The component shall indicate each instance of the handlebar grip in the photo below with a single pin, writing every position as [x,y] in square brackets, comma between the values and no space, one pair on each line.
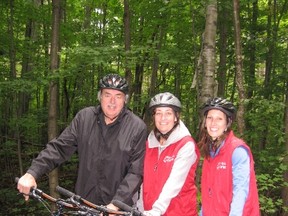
[34,192]
[64,191]
[126,207]
[121,205]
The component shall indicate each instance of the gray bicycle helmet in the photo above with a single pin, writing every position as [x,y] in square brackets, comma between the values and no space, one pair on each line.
[165,99]
[114,81]
[220,104]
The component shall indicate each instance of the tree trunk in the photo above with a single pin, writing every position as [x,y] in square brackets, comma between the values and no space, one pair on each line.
[222,70]
[12,50]
[208,89]
[157,36]
[27,66]
[127,43]
[10,105]
[53,88]
[251,79]
[138,108]
[269,54]
[239,73]
[285,161]
[138,81]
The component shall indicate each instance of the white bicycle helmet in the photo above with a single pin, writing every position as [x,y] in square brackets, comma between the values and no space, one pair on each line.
[165,99]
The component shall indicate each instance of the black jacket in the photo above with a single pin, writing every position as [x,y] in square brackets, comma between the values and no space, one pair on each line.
[110,156]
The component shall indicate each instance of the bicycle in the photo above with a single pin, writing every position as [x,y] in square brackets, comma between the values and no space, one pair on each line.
[76,205]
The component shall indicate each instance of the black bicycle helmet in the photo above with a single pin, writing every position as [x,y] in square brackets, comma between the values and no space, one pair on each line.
[114,81]
[165,99]
[220,104]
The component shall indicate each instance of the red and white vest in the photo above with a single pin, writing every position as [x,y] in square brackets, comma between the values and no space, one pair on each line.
[157,171]
[217,185]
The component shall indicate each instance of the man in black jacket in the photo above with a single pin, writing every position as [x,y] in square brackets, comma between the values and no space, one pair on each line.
[110,141]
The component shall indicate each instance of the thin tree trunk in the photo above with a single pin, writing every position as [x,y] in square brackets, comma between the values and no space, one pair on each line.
[24,98]
[239,73]
[87,18]
[285,161]
[127,42]
[208,89]
[27,64]
[155,63]
[53,88]
[155,67]
[138,81]
[12,50]
[102,38]
[221,74]
[45,90]
[251,79]
[10,107]
[269,54]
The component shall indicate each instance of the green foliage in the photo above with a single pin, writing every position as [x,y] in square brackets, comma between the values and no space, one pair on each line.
[263,117]
[270,182]
[19,85]
[165,36]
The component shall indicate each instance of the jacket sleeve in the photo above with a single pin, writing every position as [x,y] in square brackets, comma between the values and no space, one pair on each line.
[241,179]
[56,151]
[133,179]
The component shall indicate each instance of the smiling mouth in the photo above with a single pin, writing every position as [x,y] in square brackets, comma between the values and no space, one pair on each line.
[213,129]
[111,106]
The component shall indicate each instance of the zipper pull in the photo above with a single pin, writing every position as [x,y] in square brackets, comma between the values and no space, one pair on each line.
[155,167]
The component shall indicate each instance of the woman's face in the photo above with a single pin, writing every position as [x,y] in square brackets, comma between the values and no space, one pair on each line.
[165,119]
[216,123]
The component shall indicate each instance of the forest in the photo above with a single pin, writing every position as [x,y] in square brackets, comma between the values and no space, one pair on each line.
[53,53]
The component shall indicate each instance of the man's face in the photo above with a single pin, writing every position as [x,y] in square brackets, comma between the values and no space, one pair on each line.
[112,101]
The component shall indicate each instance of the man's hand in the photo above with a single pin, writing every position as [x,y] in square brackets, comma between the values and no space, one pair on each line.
[25,183]
[113,207]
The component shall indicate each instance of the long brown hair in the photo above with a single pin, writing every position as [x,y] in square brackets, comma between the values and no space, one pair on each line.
[205,140]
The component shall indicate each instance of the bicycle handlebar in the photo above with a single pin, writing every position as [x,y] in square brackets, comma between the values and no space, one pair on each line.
[68,193]
[76,201]
[64,191]
[126,207]
[35,192]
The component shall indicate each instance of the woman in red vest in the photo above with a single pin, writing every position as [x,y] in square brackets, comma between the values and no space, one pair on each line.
[228,183]
[170,162]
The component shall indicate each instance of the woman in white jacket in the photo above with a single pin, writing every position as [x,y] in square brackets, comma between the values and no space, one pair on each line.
[170,162]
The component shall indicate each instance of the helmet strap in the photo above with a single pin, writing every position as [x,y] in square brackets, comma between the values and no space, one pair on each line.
[165,136]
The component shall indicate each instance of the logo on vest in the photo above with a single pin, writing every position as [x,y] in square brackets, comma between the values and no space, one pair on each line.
[168,159]
[221,165]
